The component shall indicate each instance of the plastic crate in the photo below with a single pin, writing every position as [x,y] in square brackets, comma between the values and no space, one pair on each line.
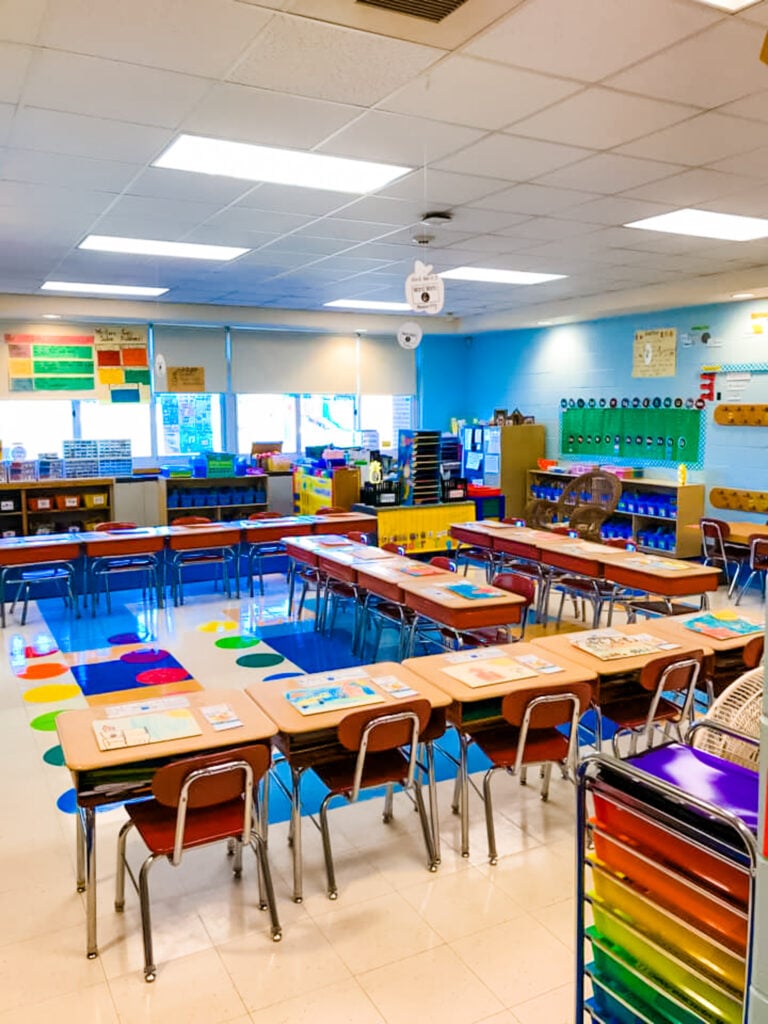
[67,501]
[115,467]
[96,500]
[114,449]
[22,471]
[219,464]
[79,469]
[50,469]
[81,449]
[42,504]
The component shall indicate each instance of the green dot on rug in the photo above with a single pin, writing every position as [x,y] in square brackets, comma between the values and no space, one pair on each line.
[260,660]
[46,722]
[230,643]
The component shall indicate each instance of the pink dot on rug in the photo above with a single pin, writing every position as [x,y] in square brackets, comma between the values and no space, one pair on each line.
[145,657]
[45,670]
[154,676]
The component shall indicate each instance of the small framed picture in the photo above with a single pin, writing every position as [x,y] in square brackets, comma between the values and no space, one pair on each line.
[499,417]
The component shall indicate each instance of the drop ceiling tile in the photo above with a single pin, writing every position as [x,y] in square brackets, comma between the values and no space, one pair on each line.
[589,39]
[717,66]
[614,210]
[165,183]
[53,203]
[754,107]
[602,118]
[398,138]
[438,239]
[215,234]
[21,20]
[609,172]
[239,217]
[309,247]
[751,203]
[335,227]
[306,202]
[103,88]
[61,169]
[480,244]
[243,113]
[55,132]
[753,164]
[392,251]
[535,199]
[691,187]
[701,140]
[550,229]
[6,121]
[311,58]
[511,158]
[145,217]
[14,62]
[176,35]
[381,210]
[442,188]
[496,97]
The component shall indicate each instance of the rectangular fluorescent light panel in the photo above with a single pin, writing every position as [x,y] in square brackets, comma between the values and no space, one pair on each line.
[279,166]
[80,288]
[387,307]
[153,247]
[705,224]
[493,276]
[732,6]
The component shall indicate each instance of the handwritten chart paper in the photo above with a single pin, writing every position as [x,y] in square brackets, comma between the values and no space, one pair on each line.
[655,353]
[122,364]
[49,363]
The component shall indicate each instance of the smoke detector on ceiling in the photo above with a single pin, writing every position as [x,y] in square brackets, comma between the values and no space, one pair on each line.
[437,217]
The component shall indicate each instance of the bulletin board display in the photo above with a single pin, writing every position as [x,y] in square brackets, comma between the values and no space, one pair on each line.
[122,364]
[654,353]
[659,437]
[50,363]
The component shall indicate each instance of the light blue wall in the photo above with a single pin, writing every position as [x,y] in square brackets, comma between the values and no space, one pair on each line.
[444,363]
[533,369]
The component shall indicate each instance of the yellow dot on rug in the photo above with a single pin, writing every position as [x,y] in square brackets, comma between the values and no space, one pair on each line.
[217,626]
[52,692]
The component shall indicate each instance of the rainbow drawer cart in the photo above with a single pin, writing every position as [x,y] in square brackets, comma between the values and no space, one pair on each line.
[665,884]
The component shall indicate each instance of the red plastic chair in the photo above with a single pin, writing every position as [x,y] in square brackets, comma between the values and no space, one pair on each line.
[530,735]
[441,562]
[758,563]
[512,583]
[717,551]
[375,740]
[198,801]
[752,655]
[225,555]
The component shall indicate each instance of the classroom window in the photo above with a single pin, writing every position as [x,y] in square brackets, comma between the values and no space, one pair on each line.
[387,415]
[107,421]
[38,426]
[187,424]
[327,420]
[266,418]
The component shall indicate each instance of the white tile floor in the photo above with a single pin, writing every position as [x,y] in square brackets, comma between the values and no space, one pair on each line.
[470,944]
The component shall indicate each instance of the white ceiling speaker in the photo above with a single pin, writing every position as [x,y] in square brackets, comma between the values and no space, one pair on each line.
[409,335]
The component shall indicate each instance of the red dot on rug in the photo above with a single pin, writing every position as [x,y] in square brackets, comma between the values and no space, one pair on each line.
[162,675]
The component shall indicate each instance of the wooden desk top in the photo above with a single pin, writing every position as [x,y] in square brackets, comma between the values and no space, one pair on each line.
[270,696]
[432,668]
[433,599]
[81,752]
[43,547]
[343,521]
[262,531]
[674,627]
[739,530]
[563,645]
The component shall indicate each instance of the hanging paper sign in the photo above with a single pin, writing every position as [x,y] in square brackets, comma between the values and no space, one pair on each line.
[186,379]
[654,353]
[424,291]
[122,367]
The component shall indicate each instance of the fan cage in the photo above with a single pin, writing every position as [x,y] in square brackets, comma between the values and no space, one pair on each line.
[739,707]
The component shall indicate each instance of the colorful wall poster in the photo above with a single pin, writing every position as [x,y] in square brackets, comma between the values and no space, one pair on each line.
[655,353]
[50,363]
[122,364]
[186,379]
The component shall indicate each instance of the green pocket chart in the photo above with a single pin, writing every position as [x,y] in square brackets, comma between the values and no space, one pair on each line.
[664,437]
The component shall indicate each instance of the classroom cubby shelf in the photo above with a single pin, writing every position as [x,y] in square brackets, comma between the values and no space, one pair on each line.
[649,508]
[37,505]
[219,498]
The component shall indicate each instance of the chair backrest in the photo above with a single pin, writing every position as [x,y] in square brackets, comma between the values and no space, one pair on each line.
[441,562]
[358,536]
[556,710]
[396,549]
[209,780]
[190,521]
[672,673]
[265,515]
[714,533]
[100,527]
[330,510]
[758,553]
[515,583]
[374,730]
[752,655]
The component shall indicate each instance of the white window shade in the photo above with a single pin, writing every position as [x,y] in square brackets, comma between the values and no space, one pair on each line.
[274,362]
[385,368]
[195,346]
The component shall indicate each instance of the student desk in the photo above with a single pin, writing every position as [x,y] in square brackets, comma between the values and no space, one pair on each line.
[20,553]
[270,531]
[473,706]
[344,563]
[618,671]
[657,574]
[309,739]
[727,651]
[432,599]
[130,770]
[740,532]
[385,578]
[121,543]
[343,522]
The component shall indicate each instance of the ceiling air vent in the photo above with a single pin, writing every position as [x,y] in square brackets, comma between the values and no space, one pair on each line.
[430,10]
